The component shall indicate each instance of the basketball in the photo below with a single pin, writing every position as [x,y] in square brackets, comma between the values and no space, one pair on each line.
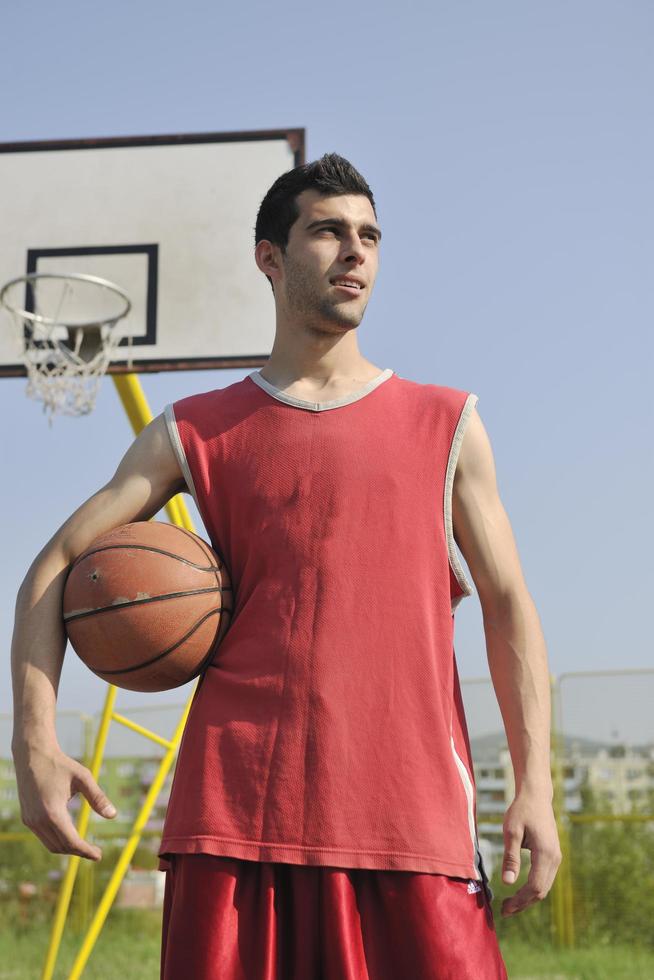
[146,605]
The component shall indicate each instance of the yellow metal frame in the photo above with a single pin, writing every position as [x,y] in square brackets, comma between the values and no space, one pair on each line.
[139,414]
[563,897]
[563,932]
[562,893]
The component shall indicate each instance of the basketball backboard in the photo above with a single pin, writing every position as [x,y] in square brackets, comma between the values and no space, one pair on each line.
[170,219]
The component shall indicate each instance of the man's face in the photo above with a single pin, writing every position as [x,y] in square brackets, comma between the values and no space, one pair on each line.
[334,238]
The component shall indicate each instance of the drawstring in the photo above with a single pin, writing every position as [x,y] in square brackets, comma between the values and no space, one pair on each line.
[484,877]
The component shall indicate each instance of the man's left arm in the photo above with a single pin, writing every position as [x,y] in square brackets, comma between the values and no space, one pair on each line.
[517,658]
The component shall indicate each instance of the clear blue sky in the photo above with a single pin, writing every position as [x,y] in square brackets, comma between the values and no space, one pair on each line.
[510,148]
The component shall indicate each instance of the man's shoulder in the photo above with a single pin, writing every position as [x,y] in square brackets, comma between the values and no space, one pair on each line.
[207,401]
[430,391]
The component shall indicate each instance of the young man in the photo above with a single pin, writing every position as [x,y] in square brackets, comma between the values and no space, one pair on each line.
[321,819]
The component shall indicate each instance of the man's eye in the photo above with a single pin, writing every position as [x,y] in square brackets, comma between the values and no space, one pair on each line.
[332,228]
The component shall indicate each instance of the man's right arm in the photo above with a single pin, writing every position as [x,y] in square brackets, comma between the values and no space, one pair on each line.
[146,478]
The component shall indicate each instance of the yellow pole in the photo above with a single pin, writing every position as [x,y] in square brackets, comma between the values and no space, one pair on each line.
[66,890]
[88,866]
[557,891]
[562,903]
[138,412]
[134,401]
[566,848]
[128,852]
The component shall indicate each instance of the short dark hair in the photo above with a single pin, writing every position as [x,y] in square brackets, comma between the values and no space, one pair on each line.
[330,175]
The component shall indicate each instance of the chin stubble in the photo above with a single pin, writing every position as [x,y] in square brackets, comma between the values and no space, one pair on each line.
[304,300]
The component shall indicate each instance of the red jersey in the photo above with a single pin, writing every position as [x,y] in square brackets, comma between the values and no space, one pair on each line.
[329,728]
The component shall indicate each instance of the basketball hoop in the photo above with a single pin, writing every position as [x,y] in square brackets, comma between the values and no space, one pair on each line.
[67,350]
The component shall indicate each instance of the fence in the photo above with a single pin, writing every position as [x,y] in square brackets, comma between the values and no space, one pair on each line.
[603,768]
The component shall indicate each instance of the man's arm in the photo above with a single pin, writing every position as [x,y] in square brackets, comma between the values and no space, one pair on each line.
[146,478]
[517,659]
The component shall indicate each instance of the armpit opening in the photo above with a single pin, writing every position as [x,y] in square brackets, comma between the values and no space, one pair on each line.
[457,439]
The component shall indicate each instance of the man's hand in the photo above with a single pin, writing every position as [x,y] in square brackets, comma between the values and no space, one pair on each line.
[47,779]
[529,822]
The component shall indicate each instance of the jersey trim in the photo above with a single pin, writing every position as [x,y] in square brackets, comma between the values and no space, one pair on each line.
[282,396]
[467,786]
[457,439]
[176,442]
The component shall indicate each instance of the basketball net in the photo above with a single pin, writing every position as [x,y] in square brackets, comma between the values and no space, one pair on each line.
[65,353]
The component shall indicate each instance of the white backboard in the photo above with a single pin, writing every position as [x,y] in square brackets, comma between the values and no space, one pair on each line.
[170,219]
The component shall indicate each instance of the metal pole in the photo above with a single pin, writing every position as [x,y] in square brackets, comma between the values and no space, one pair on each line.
[138,412]
[562,903]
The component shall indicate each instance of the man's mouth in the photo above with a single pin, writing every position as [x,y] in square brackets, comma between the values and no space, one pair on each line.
[351,285]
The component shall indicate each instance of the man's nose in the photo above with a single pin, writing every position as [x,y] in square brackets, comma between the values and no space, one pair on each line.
[353,248]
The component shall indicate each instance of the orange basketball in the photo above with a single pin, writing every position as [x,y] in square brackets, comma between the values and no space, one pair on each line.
[146,605]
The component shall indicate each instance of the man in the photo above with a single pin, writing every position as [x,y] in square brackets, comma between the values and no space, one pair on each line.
[321,819]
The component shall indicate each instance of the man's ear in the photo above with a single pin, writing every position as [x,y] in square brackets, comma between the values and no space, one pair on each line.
[268,258]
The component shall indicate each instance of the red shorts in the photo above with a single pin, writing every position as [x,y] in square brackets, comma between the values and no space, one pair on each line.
[231,919]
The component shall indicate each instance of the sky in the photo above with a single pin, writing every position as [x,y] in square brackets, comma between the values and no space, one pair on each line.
[510,149]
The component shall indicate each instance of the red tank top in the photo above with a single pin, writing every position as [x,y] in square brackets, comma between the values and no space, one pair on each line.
[329,728]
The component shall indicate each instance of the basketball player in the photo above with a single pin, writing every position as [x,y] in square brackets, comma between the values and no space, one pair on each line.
[321,821]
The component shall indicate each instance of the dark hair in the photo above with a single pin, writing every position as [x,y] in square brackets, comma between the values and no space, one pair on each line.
[330,175]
